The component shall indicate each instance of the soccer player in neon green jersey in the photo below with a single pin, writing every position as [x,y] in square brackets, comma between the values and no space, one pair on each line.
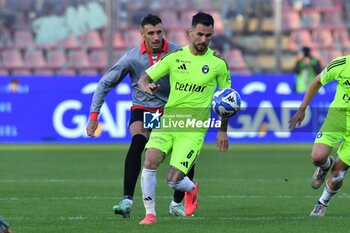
[195,72]
[335,130]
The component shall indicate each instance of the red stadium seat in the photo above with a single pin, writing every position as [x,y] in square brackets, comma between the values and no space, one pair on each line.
[311,18]
[44,71]
[341,38]
[65,71]
[35,59]
[300,38]
[56,58]
[71,42]
[235,60]
[4,72]
[291,20]
[12,59]
[23,39]
[6,39]
[21,72]
[99,58]
[169,19]
[132,38]
[78,59]
[178,36]
[88,71]
[92,40]
[322,38]
[334,19]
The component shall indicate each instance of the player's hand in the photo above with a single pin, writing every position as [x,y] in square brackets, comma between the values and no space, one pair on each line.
[297,118]
[222,141]
[91,128]
[149,88]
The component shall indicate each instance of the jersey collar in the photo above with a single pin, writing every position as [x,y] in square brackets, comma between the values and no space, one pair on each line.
[165,47]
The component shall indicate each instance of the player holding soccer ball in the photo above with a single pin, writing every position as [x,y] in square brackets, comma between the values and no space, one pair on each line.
[195,72]
[335,131]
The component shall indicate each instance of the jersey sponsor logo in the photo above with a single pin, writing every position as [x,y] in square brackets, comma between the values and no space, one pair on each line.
[151,120]
[185,164]
[190,87]
[182,61]
[346,83]
[205,69]
[346,98]
[182,67]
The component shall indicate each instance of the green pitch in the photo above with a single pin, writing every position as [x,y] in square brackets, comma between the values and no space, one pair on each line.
[252,188]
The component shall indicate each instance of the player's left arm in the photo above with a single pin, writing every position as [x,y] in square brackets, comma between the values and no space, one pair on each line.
[222,138]
[224,81]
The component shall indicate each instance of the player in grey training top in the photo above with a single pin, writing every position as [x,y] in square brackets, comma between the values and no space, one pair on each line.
[134,63]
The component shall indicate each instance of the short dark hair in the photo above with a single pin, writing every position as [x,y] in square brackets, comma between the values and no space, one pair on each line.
[202,18]
[306,51]
[150,19]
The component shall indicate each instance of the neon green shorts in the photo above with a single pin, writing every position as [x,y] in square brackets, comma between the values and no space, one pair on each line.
[335,130]
[185,147]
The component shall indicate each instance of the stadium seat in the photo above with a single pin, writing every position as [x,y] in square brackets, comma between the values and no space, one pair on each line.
[6,39]
[268,25]
[71,42]
[169,19]
[322,37]
[65,71]
[99,58]
[4,72]
[334,19]
[91,40]
[56,58]
[12,59]
[78,59]
[88,71]
[34,58]
[132,38]
[235,60]
[300,38]
[44,71]
[21,72]
[118,53]
[288,62]
[118,41]
[177,36]
[332,54]
[23,39]
[341,38]
[310,18]
[267,63]
[290,20]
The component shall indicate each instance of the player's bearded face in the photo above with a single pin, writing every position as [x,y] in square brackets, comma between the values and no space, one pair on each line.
[201,36]
[153,36]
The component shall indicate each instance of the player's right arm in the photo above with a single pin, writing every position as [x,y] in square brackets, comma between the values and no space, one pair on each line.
[298,117]
[109,80]
[330,73]
[155,72]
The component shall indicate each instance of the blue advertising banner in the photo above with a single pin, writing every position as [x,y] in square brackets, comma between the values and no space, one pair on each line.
[56,110]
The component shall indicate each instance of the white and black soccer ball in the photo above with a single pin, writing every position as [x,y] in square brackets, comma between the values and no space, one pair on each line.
[226,102]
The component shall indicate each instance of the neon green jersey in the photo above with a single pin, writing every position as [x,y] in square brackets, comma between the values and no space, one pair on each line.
[193,80]
[339,70]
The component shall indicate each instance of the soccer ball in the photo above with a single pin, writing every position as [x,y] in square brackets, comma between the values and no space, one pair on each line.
[226,102]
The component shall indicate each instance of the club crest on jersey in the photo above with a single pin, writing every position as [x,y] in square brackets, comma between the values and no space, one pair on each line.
[205,69]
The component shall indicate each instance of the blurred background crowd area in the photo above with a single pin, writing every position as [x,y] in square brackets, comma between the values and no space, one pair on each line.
[68,37]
